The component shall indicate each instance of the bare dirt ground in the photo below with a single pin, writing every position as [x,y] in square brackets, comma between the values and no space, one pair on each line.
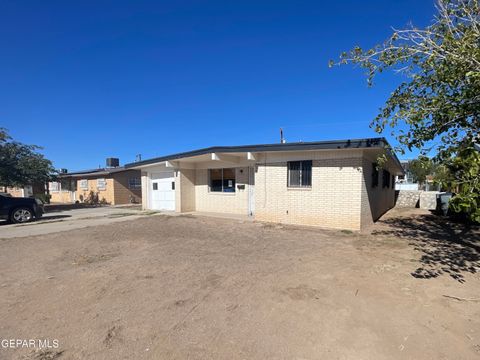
[189,287]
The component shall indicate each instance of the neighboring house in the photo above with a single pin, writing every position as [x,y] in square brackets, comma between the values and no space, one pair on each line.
[26,191]
[332,184]
[114,185]
[405,181]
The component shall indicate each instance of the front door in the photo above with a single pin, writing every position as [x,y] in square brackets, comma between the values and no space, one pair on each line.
[162,191]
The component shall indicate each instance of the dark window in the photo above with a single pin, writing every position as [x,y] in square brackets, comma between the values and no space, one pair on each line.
[386,179]
[155,186]
[300,173]
[374,175]
[134,183]
[393,181]
[222,180]
[66,185]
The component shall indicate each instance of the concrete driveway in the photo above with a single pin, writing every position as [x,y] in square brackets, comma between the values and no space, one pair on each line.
[64,218]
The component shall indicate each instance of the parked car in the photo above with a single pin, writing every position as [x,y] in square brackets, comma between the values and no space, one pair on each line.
[20,209]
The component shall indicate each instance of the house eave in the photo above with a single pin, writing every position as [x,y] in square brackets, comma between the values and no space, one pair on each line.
[250,150]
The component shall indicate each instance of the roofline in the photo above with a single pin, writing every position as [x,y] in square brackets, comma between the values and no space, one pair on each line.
[366,143]
[93,172]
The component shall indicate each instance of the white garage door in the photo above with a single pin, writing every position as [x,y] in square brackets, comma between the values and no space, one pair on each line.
[162,191]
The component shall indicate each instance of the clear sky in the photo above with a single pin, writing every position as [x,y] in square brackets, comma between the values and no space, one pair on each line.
[94,79]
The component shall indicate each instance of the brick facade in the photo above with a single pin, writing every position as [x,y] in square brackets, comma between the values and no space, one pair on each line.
[64,197]
[106,194]
[185,187]
[116,191]
[333,200]
[341,195]
[27,191]
[13,191]
[122,194]
[376,200]
[233,203]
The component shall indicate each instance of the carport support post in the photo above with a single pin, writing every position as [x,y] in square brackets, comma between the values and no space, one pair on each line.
[184,190]
[145,190]
[178,190]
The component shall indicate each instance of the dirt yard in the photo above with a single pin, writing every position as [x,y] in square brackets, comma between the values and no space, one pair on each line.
[187,287]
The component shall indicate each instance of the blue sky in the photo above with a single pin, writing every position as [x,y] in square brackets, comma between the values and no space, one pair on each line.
[95,79]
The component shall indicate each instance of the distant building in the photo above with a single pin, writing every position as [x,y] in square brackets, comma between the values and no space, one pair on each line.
[405,181]
[26,191]
[113,185]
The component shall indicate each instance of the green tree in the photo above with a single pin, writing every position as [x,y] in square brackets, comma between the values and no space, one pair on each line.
[21,164]
[420,168]
[464,170]
[437,106]
[443,177]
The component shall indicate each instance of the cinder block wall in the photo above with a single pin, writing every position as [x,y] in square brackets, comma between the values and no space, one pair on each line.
[334,199]
[408,198]
[233,203]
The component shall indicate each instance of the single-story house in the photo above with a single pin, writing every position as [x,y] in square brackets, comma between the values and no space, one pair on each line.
[113,185]
[334,184]
[26,191]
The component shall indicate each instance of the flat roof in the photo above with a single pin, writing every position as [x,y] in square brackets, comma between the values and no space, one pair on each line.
[380,143]
[94,172]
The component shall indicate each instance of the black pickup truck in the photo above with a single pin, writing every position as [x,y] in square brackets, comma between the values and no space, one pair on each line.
[19,209]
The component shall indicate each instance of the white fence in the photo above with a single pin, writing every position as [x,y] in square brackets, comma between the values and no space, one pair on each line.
[411,187]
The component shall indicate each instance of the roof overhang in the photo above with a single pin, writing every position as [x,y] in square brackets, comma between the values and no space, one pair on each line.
[93,173]
[249,154]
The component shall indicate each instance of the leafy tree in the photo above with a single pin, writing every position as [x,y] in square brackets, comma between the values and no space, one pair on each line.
[443,177]
[21,164]
[464,170]
[420,168]
[437,106]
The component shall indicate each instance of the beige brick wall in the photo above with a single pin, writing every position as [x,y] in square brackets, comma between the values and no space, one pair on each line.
[233,203]
[145,190]
[61,197]
[13,191]
[32,190]
[122,193]
[107,194]
[340,197]
[378,200]
[332,201]
[185,190]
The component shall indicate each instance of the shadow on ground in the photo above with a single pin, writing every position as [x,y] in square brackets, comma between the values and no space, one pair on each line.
[446,247]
